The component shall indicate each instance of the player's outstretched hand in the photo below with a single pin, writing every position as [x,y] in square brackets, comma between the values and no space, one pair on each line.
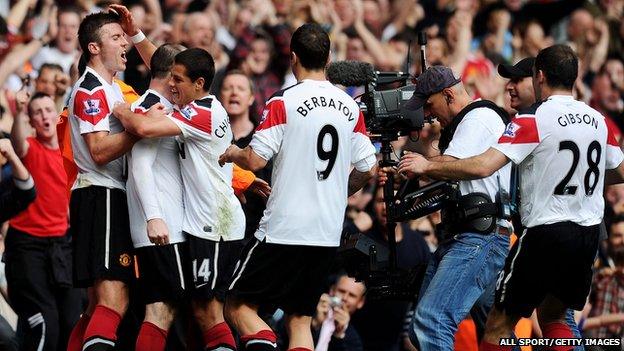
[227,155]
[157,110]
[127,23]
[261,188]
[413,164]
[122,111]
[157,231]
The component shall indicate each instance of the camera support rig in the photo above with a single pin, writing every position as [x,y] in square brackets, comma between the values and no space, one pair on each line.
[387,119]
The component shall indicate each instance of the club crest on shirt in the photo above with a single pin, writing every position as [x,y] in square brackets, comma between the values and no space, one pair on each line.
[92,107]
[511,130]
[188,112]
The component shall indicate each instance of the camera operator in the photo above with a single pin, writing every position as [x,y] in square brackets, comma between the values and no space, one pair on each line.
[467,262]
[550,266]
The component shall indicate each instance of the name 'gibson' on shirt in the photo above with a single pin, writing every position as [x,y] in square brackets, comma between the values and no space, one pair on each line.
[322,101]
[575,118]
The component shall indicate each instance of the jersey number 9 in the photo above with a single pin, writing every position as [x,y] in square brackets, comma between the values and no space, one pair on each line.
[327,155]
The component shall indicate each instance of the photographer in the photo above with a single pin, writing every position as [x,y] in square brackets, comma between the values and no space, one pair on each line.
[466,263]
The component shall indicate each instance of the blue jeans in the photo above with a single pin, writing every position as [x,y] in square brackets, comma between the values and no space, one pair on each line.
[457,276]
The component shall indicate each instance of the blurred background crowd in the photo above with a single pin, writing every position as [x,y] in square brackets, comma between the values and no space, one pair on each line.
[249,40]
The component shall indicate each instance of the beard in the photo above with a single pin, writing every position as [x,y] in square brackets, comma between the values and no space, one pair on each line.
[617,254]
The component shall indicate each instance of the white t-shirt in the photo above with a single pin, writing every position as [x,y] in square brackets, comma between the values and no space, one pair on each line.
[212,211]
[154,187]
[314,131]
[49,54]
[90,110]
[477,132]
[562,147]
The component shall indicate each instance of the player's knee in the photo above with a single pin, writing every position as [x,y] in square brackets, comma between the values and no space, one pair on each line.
[161,314]
[232,309]
[209,311]
[298,322]
[113,294]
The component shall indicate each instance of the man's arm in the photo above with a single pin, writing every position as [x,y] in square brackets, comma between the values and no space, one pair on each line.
[143,157]
[245,158]
[358,179]
[21,128]
[104,147]
[23,193]
[476,167]
[154,123]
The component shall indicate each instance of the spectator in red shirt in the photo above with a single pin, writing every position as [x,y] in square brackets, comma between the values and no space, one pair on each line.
[38,252]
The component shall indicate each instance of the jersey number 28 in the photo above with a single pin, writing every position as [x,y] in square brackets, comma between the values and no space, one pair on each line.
[593,172]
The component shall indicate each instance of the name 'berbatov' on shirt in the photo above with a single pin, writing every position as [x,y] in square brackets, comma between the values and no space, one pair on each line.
[563,147]
[154,187]
[211,210]
[314,132]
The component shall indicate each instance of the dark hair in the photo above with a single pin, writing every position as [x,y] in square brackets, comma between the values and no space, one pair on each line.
[311,45]
[559,64]
[52,66]
[162,60]
[82,63]
[38,95]
[198,63]
[89,30]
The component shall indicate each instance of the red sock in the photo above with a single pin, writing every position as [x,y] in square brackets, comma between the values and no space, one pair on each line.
[557,330]
[77,335]
[219,336]
[102,328]
[264,340]
[151,338]
[486,346]
[299,349]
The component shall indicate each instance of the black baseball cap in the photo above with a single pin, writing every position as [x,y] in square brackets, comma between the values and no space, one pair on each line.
[522,69]
[433,80]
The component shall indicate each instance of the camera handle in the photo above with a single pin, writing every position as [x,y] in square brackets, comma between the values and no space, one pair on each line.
[388,194]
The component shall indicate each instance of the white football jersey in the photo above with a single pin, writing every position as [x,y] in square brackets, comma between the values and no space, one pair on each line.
[90,110]
[314,131]
[211,210]
[478,130]
[154,187]
[563,147]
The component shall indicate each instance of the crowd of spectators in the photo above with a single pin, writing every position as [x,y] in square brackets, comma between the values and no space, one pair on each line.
[249,40]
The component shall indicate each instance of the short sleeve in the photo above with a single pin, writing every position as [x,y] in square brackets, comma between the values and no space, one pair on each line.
[194,122]
[92,110]
[268,137]
[479,130]
[614,152]
[362,150]
[520,138]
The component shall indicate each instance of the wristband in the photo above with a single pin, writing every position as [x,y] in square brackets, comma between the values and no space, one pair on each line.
[137,38]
